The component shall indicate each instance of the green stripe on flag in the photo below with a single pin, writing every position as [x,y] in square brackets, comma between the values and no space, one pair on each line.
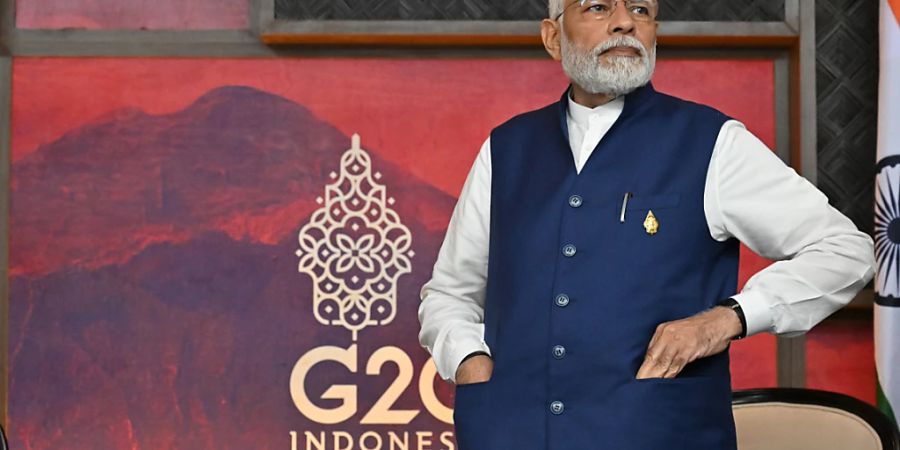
[883,404]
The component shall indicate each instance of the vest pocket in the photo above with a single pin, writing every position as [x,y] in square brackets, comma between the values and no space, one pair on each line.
[636,212]
[468,385]
[652,201]
[686,413]
[644,238]
[471,418]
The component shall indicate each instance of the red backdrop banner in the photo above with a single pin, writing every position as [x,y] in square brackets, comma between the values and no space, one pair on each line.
[161,209]
[133,14]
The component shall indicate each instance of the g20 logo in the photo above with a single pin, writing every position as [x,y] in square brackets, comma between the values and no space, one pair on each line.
[382,412]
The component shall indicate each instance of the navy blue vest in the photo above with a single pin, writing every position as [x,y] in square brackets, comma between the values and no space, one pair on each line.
[574,294]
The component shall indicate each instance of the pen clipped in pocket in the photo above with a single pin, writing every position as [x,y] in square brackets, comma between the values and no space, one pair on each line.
[645,202]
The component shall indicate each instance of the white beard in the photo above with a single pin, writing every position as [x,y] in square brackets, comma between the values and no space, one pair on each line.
[617,75]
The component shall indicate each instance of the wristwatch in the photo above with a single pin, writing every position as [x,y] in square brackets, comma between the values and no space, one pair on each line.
[734,305]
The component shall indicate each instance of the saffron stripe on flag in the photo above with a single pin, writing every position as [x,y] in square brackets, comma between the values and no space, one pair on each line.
[895,6]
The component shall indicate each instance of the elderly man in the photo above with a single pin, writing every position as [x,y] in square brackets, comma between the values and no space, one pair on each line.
[585,294]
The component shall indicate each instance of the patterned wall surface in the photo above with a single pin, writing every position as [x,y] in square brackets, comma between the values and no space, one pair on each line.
[847,85]
[702,10]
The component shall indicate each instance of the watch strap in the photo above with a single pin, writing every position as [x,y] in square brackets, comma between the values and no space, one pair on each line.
[736,307]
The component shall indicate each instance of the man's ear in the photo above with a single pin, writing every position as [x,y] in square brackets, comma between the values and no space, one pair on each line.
[550,33]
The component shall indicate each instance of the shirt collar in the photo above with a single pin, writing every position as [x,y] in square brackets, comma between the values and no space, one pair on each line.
[641,98]
[581,114]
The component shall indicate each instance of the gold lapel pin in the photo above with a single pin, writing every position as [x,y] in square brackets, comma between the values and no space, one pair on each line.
[650,223]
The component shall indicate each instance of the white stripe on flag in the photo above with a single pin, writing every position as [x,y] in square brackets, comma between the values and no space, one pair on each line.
[889,87]
[887,214]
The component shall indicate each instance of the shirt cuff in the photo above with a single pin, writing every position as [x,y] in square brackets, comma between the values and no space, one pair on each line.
[457,351]
[756,311]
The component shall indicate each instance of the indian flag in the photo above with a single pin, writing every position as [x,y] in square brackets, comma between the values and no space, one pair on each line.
[887,215]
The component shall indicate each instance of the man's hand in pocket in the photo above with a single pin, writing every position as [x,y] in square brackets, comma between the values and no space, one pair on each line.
[678,343]
[475,369]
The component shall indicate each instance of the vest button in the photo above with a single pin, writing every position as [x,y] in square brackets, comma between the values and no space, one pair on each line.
[557,407]
[559,351]
[569,250]
[575,201]
[562,300]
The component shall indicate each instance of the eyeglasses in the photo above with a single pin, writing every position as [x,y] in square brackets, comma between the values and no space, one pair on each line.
[638,10]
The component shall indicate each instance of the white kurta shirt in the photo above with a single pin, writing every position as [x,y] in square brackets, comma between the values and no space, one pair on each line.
[750,194]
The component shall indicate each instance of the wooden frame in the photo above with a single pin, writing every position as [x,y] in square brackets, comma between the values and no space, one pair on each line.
[795,35]
[500,33]
[792,41]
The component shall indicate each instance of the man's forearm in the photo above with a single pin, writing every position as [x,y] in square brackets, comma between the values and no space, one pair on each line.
[452,310]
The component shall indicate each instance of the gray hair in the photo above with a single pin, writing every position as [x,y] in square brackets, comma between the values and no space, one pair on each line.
[555,7]
[618,76]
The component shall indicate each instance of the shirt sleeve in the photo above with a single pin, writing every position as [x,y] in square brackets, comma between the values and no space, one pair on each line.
[822,259]
[451,313]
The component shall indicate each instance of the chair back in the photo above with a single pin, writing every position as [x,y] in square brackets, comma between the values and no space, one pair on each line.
[809,419]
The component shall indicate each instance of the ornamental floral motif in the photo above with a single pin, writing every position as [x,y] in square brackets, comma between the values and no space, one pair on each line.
[887,228]
[354,248]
